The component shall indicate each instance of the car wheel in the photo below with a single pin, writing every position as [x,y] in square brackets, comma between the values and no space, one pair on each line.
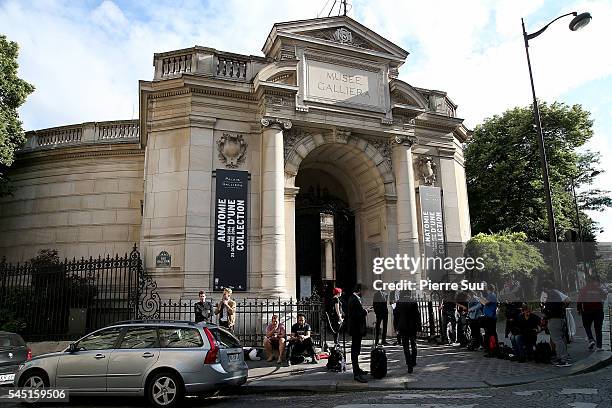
[164,389]
[34,379]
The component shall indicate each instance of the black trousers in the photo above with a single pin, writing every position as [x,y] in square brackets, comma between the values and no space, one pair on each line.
[595,318]
[476,337]
[383,317]
[296,348]
[410,350]
[355,351]
[395,322]
[490,326]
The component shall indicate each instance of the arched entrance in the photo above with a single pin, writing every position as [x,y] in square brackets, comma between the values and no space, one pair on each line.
[325,233]
[340,212]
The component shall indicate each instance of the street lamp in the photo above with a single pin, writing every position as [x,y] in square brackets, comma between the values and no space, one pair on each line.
[579,21]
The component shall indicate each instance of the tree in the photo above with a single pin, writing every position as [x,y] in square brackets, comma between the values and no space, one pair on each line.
[506,256]
[504,175]
[13,93]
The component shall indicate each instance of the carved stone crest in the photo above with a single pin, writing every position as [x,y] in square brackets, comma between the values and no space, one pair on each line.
[427,169]
[232,149]
[343,36]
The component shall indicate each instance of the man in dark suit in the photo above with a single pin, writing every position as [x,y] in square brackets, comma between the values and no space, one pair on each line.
[382,316]
[357,329]
[408,324]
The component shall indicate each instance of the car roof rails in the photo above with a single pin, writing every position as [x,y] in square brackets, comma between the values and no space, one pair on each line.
[155,321]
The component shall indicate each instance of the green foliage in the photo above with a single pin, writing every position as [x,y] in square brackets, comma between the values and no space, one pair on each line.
[13,93]
[504,175]
[44,305]
[506,255]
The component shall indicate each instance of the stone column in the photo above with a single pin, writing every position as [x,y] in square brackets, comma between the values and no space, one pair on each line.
[407,228]
[290,278]
[329,260]
[273,207]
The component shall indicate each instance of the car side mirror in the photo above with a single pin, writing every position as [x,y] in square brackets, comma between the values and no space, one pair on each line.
[72,348]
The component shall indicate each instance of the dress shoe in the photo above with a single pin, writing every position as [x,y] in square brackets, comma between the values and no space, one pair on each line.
[359,378]
[410,369]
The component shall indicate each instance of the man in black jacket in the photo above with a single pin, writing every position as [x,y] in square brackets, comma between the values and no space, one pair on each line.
[408,324]
[357,329]
[202,309]
[382,316]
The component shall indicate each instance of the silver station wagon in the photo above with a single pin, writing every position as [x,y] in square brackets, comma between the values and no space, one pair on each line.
[162,360]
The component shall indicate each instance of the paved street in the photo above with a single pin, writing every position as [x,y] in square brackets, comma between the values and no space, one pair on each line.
[590,390]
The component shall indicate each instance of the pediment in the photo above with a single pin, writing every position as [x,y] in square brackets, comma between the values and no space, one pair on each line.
[404,94]
[343,35]
[338,31]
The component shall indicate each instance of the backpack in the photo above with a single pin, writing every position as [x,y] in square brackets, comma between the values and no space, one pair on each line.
[334,362]
[297,359]
[543,353]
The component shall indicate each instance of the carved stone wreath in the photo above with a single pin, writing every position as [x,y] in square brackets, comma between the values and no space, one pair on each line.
[232,149]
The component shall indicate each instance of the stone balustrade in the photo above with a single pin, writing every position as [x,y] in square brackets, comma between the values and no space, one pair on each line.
[82,134]
[207,62]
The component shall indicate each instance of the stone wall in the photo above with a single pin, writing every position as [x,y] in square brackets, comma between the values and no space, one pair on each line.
[82,201]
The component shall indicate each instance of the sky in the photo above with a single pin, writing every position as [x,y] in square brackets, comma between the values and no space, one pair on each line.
[86,57]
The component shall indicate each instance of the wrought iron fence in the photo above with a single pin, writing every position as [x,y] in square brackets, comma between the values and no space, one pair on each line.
[64,300]
[253,315]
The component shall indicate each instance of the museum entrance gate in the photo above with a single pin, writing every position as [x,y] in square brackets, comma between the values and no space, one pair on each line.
[324,237]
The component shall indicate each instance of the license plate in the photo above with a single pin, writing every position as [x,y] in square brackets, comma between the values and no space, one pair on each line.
[234,357]
[7,377]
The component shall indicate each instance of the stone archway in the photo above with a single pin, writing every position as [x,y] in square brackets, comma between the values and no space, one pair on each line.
[364,173]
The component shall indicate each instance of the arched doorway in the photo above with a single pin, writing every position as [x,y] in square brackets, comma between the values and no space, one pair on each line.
[325,234]
[345,181]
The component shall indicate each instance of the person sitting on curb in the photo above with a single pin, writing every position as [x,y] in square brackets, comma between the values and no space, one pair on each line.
[275,340]
[528,325]
[300,341]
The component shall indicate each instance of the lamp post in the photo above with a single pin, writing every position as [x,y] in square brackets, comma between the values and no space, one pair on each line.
[579,21]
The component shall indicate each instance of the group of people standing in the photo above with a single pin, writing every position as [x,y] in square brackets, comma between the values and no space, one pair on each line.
[225,309]
[406,321]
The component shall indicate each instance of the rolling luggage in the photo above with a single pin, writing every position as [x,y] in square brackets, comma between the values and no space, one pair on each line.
[378,362]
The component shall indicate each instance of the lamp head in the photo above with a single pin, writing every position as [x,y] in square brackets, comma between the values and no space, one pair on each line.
[580,21]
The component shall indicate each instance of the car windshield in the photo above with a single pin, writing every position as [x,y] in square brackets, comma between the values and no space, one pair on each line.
[225,338]
[11,340]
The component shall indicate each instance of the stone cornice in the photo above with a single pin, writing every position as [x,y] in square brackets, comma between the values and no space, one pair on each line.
[80,152]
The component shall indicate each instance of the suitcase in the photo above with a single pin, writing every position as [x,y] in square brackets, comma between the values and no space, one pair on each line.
[378,362]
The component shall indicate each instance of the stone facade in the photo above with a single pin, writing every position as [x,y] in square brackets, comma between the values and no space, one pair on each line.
[324,97]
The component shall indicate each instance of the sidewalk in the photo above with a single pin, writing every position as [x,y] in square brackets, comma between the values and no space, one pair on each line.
[438,367]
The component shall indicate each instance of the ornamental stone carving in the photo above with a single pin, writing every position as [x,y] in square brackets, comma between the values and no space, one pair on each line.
[384,148]
[282,124]
[232,149]
[427,169]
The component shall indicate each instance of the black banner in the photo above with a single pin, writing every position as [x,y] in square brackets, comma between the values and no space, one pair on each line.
[432,221]
[231,230]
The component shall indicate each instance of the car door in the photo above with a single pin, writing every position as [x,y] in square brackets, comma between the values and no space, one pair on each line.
[84,370]
[136,353]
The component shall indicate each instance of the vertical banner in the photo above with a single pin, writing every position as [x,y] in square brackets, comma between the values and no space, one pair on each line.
[230,269]
[432,222]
